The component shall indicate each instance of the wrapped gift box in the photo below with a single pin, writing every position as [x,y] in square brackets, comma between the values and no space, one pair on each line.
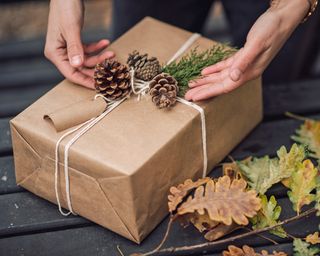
[122,168]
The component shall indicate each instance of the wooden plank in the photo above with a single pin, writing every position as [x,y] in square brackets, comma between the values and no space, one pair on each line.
[28,74]
[5,137]
[34,48]
[86,240]
[27,203]
[7,176]
[90,241]
[299,97]
[14,100]
[25,212]
[268,137]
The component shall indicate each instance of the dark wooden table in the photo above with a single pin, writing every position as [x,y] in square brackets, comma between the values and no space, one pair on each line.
[32,226]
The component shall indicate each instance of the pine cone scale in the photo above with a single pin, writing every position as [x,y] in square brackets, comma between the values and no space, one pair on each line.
[112,79]
[145,68]
[164,90]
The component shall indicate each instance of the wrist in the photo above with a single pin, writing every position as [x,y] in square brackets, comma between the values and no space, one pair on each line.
[290,12]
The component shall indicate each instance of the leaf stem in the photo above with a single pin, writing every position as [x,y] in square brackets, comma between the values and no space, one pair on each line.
[297,117]
[164,239]
[262,236]
[182,249]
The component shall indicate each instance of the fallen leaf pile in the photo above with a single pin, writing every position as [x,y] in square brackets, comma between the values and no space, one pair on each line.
[217,207]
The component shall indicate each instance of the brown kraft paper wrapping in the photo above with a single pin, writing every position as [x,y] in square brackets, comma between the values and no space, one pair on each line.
[121,170]
[70,116]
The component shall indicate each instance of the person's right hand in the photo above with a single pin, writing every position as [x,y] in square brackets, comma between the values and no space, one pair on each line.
[64,47]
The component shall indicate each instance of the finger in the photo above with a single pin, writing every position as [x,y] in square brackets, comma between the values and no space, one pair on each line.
[93,60]
[193,91]
[245,58]
[208,92]
[73,74]
[75,48]
[204,80]
[218,66]
[81,79]
[97,46]
[87,71]
[215,90]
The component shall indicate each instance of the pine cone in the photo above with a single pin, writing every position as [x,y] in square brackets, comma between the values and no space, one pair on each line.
[145,69]
[112,79]
[164,89]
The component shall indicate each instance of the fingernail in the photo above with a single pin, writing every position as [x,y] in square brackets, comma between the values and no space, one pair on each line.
[76,60]
[204,71]
[235,74]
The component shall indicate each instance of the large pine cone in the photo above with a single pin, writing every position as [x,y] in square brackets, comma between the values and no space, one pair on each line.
[145,68]
[164,89]
[112,79]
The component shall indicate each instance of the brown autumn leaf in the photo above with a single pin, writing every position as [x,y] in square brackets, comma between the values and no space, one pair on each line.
[201,222]
[232,170]
[224,200]
[248,251]
[220,231]
[179,192]
[313,238]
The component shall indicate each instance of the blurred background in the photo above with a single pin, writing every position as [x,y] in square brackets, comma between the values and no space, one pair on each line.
[25,74]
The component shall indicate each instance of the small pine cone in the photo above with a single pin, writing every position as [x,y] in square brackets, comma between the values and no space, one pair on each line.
[164,89]
[145,68]
[112,79]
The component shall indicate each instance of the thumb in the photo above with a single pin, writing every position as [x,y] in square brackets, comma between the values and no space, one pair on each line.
[243,59]
[75,49]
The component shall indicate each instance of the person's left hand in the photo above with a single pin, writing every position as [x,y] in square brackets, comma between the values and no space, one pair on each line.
[264,40]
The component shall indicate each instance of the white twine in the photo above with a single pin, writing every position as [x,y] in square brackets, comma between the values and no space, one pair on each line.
[139,87]
[203,133]
[87,126]
[184,47]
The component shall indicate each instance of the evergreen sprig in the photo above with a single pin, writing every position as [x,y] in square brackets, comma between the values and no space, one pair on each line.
[190,66]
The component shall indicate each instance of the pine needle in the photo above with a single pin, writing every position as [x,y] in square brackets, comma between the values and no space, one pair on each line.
[190,66]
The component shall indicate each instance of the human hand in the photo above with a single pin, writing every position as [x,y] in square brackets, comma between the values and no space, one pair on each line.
[264,40]
[64,47]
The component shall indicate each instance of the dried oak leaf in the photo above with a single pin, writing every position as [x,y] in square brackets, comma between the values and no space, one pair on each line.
[262,173]
[178,193]
[220,230]
[313,238]
[302,248]
[289,161]
[201,222]
[302,182]
[309,134]
[232,170]
[248,251]
[268,216]
[224,201]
